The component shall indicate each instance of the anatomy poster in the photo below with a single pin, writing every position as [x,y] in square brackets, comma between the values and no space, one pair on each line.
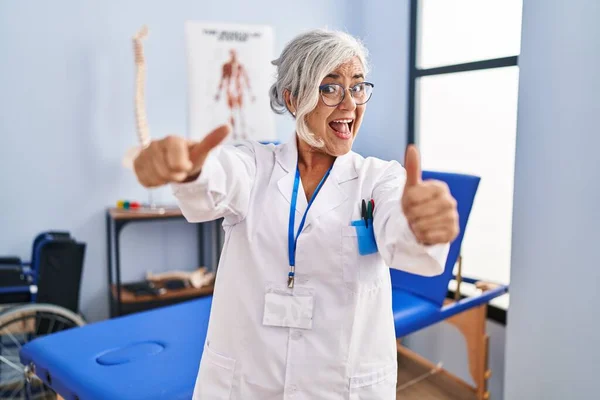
[229,76]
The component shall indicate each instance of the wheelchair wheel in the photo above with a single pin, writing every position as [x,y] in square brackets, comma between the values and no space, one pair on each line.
[22,324]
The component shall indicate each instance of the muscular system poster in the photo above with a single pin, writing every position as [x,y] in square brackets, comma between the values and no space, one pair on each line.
[229,74]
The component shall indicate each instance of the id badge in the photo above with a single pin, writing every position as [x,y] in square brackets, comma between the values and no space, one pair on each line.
[289,308]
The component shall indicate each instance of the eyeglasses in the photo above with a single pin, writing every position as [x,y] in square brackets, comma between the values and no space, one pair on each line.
[333,94]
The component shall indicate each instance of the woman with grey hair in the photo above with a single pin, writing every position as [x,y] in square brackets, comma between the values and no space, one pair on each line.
[302,300]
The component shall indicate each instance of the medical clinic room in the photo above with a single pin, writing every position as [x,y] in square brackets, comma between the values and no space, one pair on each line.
[316,200]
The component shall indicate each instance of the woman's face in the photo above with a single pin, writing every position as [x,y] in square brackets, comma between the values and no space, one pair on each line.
[338,126]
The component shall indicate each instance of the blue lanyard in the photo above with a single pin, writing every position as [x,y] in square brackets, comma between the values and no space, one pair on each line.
[293,240]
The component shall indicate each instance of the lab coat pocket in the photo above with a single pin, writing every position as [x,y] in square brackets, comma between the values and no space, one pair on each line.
[361,266]
[365,237]
[374,383]
[215,378]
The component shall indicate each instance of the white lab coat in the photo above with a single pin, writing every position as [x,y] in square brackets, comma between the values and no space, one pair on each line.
[350,352]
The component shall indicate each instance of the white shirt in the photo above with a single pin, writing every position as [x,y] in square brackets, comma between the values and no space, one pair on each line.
[350,351]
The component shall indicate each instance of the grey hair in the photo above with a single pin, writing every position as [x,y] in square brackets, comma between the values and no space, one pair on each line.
[303,64]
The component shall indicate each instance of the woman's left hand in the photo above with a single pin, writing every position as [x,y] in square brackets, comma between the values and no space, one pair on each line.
[428,205]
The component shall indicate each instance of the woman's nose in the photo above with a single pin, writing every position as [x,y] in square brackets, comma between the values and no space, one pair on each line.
[348,103]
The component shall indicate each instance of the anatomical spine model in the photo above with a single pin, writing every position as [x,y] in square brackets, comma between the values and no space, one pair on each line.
[143,132]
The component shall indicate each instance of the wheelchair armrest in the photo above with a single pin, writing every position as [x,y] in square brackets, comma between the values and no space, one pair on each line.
[15,289]
[10,261]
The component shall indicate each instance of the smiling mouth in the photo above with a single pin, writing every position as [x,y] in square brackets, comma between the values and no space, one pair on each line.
[342,127]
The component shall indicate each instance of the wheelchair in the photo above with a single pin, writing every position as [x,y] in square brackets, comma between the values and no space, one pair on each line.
[37,298]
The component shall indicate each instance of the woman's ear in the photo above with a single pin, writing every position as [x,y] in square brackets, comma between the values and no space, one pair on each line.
[287,95]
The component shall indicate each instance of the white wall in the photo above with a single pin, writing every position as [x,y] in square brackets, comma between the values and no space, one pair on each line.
[384,28]
[553,344]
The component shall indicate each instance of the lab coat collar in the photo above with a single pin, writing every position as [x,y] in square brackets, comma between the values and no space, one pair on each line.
[331,194]
[343,168]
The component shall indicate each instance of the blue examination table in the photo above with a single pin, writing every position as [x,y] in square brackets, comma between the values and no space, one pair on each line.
[155,354]
[150,355]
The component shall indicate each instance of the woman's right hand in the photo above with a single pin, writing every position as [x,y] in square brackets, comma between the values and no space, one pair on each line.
[175,159]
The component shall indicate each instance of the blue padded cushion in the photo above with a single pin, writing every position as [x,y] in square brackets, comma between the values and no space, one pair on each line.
[149,355]
[412,312]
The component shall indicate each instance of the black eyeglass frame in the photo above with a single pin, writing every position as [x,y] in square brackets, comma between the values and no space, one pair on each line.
[369,84]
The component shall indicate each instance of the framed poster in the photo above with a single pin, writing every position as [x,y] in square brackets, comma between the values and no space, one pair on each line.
[229,75]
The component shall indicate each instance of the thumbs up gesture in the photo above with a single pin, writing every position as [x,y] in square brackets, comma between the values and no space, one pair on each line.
[175,159]
[428,205]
